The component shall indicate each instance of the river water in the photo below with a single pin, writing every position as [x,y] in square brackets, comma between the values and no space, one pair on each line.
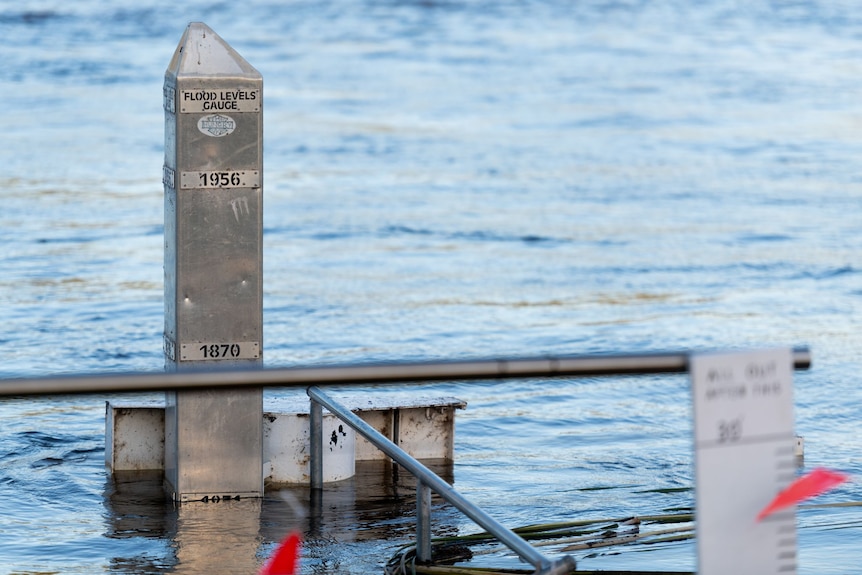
[443,180]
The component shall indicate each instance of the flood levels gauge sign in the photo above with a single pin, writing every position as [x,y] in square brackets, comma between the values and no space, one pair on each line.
[744,456]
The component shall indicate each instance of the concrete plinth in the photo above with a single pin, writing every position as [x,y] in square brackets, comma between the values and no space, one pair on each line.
[422,426]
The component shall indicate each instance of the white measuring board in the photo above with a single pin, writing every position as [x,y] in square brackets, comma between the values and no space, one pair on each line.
[744,455]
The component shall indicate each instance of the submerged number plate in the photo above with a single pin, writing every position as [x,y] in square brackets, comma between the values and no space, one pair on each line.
[202,351]
[223,179]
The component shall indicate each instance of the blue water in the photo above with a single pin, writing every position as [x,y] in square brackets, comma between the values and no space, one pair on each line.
[443,180]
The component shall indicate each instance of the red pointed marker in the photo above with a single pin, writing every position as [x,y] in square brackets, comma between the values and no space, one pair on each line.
[807,486]
[285,560]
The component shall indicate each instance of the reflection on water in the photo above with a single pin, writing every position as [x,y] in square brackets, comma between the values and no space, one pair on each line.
[136,509]
[352,525]
[221,537]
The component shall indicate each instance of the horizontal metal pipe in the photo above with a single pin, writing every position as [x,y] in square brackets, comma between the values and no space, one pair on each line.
[564,366]
[523,549]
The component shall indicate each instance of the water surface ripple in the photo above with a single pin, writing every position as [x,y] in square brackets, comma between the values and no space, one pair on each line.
[443,180]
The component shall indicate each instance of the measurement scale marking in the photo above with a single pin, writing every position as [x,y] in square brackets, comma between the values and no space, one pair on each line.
[719,443]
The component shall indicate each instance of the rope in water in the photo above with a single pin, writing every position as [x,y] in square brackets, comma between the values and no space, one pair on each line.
[564,537]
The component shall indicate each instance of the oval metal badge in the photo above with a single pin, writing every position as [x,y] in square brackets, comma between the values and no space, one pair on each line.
[216,125]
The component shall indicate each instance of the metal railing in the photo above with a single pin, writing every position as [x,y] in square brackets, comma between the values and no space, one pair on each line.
[296,377]
[427,481]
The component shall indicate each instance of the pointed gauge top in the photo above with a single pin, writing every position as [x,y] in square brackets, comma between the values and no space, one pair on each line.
[202,52]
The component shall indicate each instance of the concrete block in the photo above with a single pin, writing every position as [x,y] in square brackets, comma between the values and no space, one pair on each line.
[286,446]
[424,427]
[134,436]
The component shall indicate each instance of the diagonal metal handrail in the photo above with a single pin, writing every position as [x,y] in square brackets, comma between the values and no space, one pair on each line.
[429,479]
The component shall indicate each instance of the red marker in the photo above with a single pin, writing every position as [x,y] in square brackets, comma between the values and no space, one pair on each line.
[285,560]
[807,486]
